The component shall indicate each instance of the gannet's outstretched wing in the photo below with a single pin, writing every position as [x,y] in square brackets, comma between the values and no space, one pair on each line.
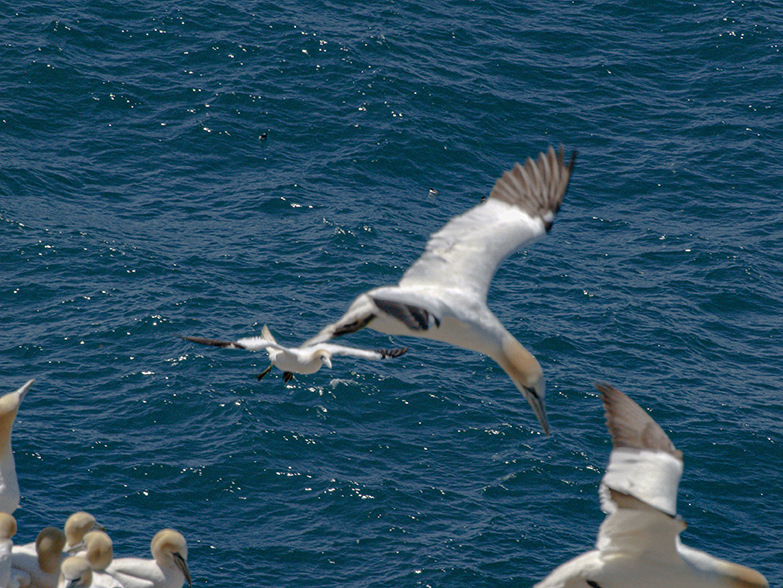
[644,462]
[362,353]
[248,343]
[466,252]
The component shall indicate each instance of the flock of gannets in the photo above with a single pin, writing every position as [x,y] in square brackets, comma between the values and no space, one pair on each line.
[442,296]
[81,554]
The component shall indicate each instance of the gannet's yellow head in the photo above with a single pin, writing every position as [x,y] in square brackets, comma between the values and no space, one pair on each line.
[7,525]
[527,375]
[325,357]
[169,548]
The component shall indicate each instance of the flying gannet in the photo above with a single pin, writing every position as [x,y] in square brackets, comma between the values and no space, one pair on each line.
[443,295]
[638,543]
[307,359]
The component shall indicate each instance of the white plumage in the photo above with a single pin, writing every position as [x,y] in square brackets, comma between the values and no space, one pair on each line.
[167,569]
[9,485]
[443,295]
[306,359]
[638,543]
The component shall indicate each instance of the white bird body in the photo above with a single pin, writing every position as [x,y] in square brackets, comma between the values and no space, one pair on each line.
[9,485]
[75,572]
[43,566]
[306,359]
[98,550]
[638,542]
[9,578]
[443,295]
[167,569]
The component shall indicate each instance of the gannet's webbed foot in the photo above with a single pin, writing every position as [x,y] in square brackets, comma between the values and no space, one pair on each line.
[265,372]
[287,376]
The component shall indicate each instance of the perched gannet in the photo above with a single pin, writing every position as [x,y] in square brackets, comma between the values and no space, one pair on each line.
[99,552]
[443,295]
[76,527]
[9,578]
[168,569]
[75,572]
[307,359]
[44,565]
[9,485]
[638,543]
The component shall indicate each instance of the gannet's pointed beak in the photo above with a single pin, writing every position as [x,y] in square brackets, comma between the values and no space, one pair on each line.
[182,565]
[535,397]
[22,392]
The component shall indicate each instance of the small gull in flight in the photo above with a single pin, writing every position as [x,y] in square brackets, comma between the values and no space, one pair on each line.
[638,543]
[443,295]
[307,359]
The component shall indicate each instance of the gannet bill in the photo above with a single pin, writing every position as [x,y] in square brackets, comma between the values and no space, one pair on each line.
[44,565]
[443,295]
[168,569]
[9,485]
[307,359]
[638,543]
[75,572]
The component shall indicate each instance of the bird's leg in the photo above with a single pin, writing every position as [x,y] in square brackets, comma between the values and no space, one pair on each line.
[265,372]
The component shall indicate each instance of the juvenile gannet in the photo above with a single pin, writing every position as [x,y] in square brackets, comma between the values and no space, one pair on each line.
[44,565]
[307,359]
[9,485]
[638,543]
[443,295]
[168,569]
[75,572]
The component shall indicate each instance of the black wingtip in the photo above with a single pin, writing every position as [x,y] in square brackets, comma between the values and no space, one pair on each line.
[396,352]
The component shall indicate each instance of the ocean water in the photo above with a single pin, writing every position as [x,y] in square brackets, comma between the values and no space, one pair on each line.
[210,167]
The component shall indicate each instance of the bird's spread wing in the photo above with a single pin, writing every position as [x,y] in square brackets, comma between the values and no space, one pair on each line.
[362,353]
[248,343]
[644,463]
[466,252]
[635,528]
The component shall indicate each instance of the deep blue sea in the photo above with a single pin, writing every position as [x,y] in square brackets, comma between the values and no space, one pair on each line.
[209,167]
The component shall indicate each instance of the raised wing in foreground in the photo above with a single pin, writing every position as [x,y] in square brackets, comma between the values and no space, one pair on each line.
[638,543]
